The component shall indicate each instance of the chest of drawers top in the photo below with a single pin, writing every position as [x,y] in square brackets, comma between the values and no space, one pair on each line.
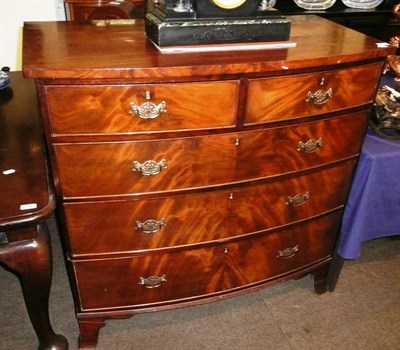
[63,50]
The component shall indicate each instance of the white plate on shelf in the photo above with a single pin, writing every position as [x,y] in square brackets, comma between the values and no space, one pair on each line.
[314,4]
[362,4]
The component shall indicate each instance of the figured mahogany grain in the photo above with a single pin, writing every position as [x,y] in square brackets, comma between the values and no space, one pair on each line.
[200,218]
[275,151]
[89,109]
[271,99]
[107,167]
[204,271]
[101,169]
[126,53]
[222,154]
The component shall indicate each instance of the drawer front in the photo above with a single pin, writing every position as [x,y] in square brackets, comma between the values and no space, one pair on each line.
[297,96]
[289,149]
[258,208]
[111,109]
[202,272]
[110,168]
[126,226]
[107,168]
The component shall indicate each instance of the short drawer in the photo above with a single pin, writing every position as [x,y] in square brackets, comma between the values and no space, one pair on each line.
[290,97]
[106,169]
[153,279]
[114,227]
[120,109]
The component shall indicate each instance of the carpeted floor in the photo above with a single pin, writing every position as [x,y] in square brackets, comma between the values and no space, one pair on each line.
[362,314]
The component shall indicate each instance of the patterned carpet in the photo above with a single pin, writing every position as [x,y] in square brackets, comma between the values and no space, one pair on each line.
[362,314]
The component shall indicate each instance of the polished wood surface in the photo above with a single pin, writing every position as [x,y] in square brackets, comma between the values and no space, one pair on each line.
[197,162]
[27,200]
[21,152]
[216,216]
[203,272]
[238,185]
[126,53]
[278,98]
[88,109]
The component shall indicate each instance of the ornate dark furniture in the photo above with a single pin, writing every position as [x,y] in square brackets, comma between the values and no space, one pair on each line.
[26,201]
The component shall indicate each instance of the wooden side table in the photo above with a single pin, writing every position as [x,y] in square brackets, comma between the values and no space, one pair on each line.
[26,202]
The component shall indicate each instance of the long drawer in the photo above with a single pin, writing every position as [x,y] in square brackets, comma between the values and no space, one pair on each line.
[118,109]
[184,220]
[104,169]
[149,279]
[296,96]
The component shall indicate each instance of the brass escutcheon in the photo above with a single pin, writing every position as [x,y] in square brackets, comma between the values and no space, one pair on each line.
[297,199]
[319,97]
[150,167]
[148,109]
[288,252]
[310,146]
[150,226]
[152,281]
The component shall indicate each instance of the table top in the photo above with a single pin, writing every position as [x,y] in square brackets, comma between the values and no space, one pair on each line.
[24,188]
[71,50]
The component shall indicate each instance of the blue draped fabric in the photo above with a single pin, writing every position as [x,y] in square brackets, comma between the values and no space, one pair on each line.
[373,207]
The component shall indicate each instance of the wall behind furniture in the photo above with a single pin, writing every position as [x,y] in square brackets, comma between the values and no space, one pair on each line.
[13,13]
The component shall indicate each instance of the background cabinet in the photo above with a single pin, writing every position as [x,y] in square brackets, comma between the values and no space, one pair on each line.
[378,22]
[375,22]
[80,10]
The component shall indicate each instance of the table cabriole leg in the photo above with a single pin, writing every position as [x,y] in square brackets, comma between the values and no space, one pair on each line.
[31,261]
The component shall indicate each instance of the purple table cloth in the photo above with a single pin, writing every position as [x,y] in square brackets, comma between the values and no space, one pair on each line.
[373,206]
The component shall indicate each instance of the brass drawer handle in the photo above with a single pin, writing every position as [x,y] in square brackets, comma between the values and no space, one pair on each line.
[319,97]
[150,167]
[310,146]
[150,226]
[288,252]
[297,199]
[148,109]
[152,281]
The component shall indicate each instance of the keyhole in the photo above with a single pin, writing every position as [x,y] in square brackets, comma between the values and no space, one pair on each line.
[148,95]
[322,81]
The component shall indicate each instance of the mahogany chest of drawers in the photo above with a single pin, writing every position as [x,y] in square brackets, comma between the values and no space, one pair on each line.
[188,178]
